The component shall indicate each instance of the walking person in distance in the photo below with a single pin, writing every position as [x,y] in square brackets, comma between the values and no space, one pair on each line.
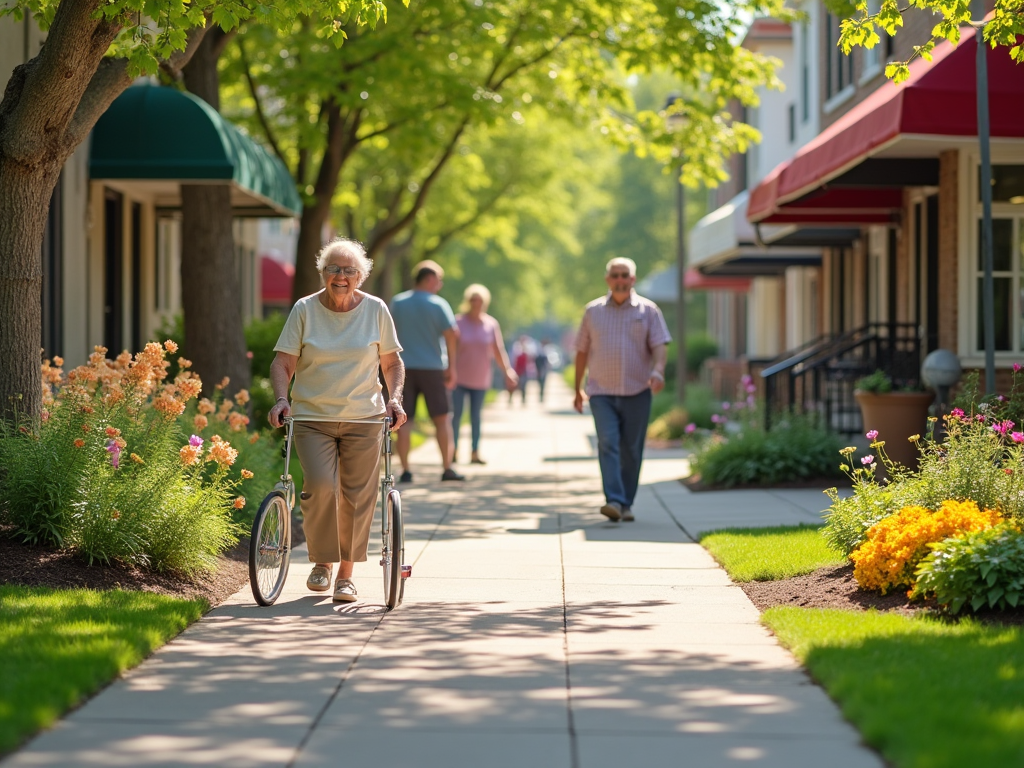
[428,334]
[480,344]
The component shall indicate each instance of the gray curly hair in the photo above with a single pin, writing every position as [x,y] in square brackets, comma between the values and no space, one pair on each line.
[349,247]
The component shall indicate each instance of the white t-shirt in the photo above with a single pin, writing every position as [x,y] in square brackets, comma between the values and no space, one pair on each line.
[339,353]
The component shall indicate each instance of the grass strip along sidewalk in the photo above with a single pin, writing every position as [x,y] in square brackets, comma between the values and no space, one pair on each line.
[926,693]
[60,646]
[769,554]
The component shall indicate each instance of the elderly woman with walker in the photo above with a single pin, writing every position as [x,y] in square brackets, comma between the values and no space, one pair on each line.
[333,344]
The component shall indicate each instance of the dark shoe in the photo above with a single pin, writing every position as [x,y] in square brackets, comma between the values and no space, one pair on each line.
[405,477]
[451,474]
[319,578]
[345,591]
[627,515]
[612,510]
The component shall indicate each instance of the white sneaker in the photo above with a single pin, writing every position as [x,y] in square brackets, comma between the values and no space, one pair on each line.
[627,515]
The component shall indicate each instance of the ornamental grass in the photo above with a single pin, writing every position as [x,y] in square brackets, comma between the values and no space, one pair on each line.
[109,469]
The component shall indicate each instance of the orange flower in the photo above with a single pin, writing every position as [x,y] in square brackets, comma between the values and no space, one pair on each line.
[169,406]
[116,515]
[86,427]
[79,443]
[113,431]
[190,454]
[200,422]
[246,474]
[239,502]
[189,388]
[183,363]
[206,406]
[253,438]
[242,397]
[237,421]
[120,443]
[224,382]
[170,346]
[221,452]
[58,360]
[137,459]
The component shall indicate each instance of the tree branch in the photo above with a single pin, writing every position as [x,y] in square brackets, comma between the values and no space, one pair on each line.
[260,114]
[174,63]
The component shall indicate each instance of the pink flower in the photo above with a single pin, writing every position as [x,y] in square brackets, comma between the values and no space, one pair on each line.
[115,453]
[957,413]
[872,434]
[725,406]
[195,441]
[716,419]
[690,428]
[979,417]
[1016,367]
[866,460]
[751,389]
[750,400]
[1017,437]
[1002,427]
[746,380]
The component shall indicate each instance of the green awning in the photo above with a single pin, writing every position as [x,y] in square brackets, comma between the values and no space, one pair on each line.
[154,134]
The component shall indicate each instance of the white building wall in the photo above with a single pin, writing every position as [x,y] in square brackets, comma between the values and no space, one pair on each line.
[762,321]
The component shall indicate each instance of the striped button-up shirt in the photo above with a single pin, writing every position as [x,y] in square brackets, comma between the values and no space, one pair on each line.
[619,340]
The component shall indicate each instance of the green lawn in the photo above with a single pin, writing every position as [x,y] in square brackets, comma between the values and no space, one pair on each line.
[60,646]
[767,554]
[925,693]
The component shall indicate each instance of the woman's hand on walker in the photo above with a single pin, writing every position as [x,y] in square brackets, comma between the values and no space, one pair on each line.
[279,412]
[397,414]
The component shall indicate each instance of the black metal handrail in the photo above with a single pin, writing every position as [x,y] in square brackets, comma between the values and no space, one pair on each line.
[819,377]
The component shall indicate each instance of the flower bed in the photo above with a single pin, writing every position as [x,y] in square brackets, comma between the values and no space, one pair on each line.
[951,529]
[110,471]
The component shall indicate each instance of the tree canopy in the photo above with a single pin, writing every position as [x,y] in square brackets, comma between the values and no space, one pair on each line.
[1005,27]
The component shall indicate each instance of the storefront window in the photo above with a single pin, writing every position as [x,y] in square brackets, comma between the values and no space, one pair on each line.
[1007,184]
[1007,253]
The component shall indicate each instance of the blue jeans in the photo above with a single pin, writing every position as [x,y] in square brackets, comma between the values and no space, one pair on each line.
[621,423]
[476,403]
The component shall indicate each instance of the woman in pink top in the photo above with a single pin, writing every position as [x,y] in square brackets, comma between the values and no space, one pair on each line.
[479,343]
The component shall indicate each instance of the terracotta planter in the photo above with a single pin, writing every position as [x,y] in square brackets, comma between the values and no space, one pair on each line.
[896,416]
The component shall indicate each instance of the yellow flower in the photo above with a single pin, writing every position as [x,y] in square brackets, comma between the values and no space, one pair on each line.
[844,467]
[848,450]
[137,459]
[914,438]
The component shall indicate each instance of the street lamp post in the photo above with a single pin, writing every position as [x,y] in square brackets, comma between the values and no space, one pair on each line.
[675,121]
[984,143]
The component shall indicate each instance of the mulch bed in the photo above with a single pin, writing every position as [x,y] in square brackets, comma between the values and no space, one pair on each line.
[834,587]
[695,484]
[36,566]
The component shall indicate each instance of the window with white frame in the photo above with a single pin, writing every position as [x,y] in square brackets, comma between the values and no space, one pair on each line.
[838,65]
[1008,262]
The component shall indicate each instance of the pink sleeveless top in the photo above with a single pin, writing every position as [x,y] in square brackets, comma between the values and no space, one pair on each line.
[473,362]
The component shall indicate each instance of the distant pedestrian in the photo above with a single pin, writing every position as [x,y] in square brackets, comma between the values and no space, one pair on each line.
[480,344]
[521,363]
[428,335]
[542,364]
[622,342]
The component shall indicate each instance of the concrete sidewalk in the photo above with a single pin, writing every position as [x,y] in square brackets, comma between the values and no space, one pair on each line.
[533,633]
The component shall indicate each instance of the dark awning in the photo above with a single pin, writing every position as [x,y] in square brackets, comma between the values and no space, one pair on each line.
[822,183]
[159,138]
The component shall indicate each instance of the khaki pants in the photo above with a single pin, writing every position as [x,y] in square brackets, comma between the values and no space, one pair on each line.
[341,477]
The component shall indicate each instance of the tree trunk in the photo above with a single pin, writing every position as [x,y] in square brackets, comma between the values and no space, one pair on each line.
[310,239]
[24,202]
[211,294]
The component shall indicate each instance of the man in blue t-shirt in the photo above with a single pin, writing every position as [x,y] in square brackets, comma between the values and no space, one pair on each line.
[424,320]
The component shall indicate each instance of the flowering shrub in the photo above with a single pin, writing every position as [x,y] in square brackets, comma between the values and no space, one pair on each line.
[109,472]
[980,457]
[981,569]
[896,545]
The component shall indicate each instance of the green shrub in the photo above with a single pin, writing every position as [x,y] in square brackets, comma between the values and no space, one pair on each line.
[795,450]
[699,347]
[980,570]
[109,470]
[260,338]
[670,425]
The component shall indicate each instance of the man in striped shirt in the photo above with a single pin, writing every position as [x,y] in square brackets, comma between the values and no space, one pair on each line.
[622,341]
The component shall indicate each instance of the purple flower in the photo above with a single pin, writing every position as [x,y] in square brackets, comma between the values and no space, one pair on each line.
[866,460]
[872,434]
[751,389]
[746,380]
[690,428]
[195,441]
[750,400]
[1017,437]
[726,406]
[716,419]
[115,453]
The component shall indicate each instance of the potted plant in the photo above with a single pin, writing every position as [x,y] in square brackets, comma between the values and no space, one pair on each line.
[895,414]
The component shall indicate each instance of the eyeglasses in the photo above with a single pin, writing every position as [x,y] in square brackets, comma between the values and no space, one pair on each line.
[334,269]
[619,275]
